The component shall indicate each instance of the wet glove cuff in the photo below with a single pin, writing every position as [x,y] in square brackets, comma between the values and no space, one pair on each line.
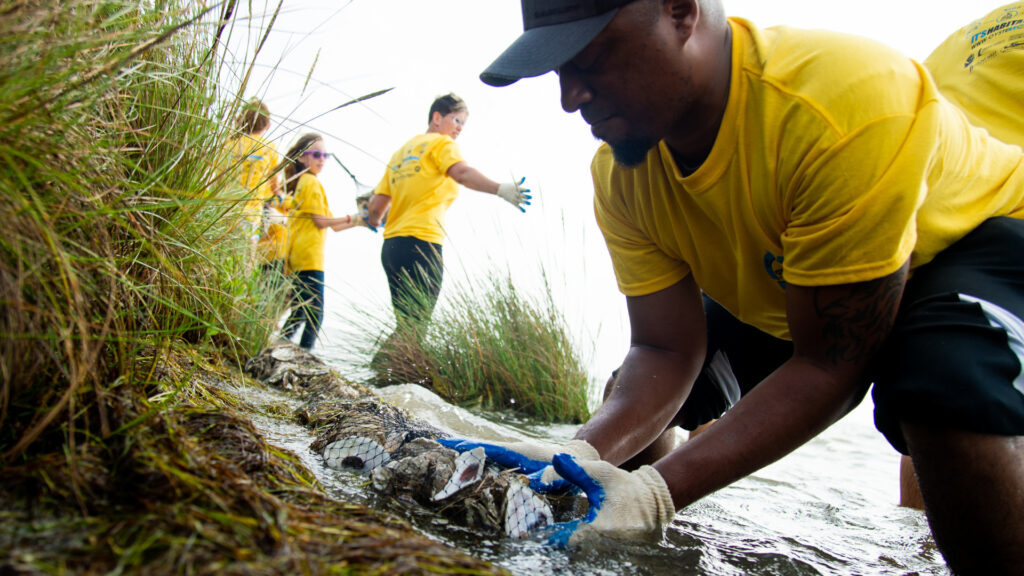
[662,506]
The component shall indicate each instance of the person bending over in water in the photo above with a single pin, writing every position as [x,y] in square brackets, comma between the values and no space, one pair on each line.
[814,188]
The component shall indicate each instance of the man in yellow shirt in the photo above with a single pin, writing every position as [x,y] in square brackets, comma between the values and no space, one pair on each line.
[979,68]
[809,190]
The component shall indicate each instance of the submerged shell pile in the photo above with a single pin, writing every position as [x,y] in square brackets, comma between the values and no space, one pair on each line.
[359,433]
[291,368]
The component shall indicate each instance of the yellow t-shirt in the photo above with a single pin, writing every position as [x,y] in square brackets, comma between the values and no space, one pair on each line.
[305,240]
[255,159]
[981,69]
[836,161]
[421,191]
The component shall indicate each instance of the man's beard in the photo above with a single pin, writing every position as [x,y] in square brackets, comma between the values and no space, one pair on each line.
[631,153]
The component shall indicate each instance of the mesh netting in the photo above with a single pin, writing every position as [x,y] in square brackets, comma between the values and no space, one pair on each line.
[464,488]
[355,454]
[357,432]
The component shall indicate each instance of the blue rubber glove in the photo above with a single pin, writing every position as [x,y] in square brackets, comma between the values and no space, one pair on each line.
[515,194]
[627,506]
[362,218]
[531,458]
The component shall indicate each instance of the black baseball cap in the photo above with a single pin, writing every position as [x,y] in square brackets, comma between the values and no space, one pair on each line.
[554,31]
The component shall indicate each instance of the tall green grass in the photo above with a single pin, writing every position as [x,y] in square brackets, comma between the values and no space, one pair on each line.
[129,298]
[489,345]
[119,228]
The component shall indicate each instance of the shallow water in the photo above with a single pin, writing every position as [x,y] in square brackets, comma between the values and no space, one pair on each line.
[828,508]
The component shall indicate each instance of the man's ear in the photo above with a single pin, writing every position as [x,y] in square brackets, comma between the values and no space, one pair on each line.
[684,14]
[435,118]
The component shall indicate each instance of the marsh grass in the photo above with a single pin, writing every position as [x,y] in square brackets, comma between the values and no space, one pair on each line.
[489,345]
[128,295]
[118,220]
[196,490]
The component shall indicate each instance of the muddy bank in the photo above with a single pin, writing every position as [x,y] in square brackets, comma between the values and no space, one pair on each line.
[185,483]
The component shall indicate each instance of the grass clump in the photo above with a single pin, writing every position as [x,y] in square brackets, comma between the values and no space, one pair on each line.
[128,297]
[488,346]
[119,227]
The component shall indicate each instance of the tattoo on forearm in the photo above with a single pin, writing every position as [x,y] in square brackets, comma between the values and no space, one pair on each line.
[856,323]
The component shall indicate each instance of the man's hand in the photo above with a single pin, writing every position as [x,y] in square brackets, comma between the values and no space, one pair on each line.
[359,219]
[532,459]
[515,194]
[627,506]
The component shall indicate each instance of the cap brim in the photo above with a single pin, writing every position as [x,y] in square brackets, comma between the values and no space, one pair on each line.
[540,50]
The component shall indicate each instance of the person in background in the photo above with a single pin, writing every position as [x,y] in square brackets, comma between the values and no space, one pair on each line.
[308,221]
[792,216]
[419,185]
[256,159]
[980,68]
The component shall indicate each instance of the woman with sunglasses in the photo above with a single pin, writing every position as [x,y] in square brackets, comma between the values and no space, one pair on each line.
[419,185]
[309,219]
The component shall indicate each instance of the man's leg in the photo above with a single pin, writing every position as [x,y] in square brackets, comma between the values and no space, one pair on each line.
[910,491]
[973,489]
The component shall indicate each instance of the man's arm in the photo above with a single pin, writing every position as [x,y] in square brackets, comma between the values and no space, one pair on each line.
[836,330]
[667,343]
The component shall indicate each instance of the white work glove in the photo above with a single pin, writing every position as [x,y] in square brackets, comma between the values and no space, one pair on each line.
[275,216]
[515,194]
[625,506]
[359,219]
[531,458]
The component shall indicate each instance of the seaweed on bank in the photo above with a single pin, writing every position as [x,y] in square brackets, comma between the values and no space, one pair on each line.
[188,485]
[403,461]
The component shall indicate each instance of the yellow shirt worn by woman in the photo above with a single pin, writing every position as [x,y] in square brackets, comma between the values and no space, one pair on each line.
[305,240]
[255,158]
[981,69]
[417,181]
[837,161]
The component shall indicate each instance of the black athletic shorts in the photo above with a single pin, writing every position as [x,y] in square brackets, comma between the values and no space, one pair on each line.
[955,354]
[953,359]
[738,357]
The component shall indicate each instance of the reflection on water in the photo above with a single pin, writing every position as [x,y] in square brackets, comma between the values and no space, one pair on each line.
[829,508]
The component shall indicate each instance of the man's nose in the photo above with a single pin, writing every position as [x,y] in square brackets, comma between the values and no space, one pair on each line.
[575,92]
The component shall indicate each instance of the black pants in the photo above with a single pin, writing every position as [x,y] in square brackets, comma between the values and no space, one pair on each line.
[308,302]
[415,270]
